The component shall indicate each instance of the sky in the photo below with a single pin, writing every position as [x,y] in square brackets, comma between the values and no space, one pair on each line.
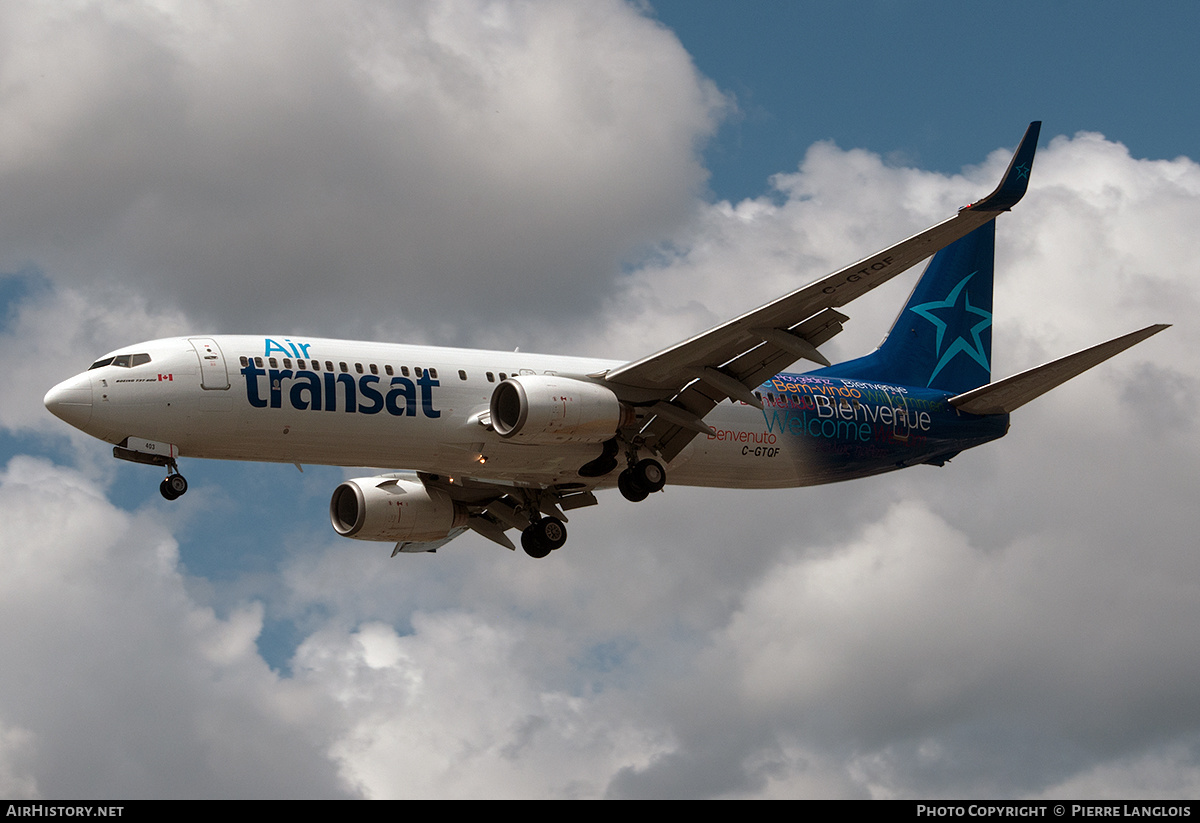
[602,179]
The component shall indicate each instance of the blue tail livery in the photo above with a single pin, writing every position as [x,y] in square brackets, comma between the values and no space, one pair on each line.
[943,337]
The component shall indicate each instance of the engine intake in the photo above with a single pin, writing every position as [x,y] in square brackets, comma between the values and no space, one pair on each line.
[391,509]
[546,408]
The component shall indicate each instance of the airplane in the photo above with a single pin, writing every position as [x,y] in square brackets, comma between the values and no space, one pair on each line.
[489,441]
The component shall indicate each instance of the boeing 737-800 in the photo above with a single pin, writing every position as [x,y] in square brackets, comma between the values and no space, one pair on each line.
[492,441]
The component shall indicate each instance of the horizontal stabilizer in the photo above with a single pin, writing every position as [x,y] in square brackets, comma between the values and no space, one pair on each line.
[1013,392]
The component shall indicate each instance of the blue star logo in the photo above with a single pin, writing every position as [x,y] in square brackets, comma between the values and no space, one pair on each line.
[973,348]
[1022,172]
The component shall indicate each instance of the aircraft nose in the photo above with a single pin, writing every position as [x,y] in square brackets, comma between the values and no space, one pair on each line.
[71,400]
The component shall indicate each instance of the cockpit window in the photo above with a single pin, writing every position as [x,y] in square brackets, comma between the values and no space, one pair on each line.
[125,361]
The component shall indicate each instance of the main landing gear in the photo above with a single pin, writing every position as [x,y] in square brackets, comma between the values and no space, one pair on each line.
[642,479]
[543,536]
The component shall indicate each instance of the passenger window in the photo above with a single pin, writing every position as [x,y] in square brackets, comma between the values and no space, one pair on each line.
[388,370]
[433,374]
[404,370]
[462,375]
[418,371]
[274,363]
[316,365]
[374,369]
[258,362]
[503,377]
[328,365]
[491,377]
[358,368]
[245,362]
[287,362]
[344,367]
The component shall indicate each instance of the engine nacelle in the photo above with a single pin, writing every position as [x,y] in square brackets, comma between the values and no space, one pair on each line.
[546,408]
[387,508]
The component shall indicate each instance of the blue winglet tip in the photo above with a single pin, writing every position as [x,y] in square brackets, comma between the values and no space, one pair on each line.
[1016,180]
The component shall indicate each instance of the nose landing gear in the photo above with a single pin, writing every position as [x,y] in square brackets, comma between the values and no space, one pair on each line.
[173,486]
[153,453]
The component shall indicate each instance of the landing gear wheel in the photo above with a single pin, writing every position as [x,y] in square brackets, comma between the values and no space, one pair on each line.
[629,487]
[532,546]
[552,532]
[173,486]
[543,536]
[650,475]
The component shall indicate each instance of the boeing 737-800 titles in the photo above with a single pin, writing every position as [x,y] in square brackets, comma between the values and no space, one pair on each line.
[492,441]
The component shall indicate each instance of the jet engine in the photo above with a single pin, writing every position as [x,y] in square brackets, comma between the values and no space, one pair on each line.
[548,409]
[392,509]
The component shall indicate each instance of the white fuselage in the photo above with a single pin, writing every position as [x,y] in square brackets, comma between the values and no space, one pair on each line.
[235,397]
[351,403]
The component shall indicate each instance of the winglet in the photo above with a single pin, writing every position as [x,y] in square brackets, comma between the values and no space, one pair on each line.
[1016,180]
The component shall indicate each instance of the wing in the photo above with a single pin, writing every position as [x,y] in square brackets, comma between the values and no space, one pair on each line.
[682,383]
[441,508]
[496,507]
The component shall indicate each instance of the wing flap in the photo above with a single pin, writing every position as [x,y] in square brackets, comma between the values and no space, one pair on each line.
[671,434]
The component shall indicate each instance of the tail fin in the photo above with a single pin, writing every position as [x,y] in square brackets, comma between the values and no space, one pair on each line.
[943,337]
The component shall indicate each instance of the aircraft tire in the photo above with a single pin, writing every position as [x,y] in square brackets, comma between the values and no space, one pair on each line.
[650,475]
[165,489]
[552,532]
[177,484]
[629,487]
[532,545]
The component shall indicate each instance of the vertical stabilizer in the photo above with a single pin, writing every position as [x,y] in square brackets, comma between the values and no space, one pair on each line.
[943,337]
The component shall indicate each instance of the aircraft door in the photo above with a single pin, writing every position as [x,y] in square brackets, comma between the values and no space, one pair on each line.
[213,374]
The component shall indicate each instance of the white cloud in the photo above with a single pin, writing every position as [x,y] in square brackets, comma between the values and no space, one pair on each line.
[16,772]
[347,166]
[459,708]
[115,683]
